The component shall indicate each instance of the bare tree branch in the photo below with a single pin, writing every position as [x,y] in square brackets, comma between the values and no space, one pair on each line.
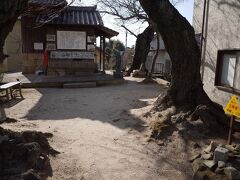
[129,31]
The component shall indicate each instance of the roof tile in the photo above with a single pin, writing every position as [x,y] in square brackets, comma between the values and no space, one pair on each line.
[75,15]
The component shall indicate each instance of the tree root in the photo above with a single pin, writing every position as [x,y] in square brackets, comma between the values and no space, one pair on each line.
[163,102]
[214,120]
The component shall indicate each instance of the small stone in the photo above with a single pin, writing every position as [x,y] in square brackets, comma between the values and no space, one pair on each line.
[237,148]
[194,157]
[160,143]
[198,165]
[221,154]
[211,147]
[219,170]
[209,163]
[207,156]
[221,164]
[231,173]
[230,147]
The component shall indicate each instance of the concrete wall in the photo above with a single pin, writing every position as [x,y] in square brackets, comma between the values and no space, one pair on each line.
[13,48]
[223,32]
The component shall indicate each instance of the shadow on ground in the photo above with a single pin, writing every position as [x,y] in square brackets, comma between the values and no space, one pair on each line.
[108,104]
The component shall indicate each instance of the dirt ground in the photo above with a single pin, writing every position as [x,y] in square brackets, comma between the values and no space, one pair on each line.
[101,133]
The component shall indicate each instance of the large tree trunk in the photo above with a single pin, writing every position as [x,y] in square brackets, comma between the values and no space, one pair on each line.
[186,87]
[142,48]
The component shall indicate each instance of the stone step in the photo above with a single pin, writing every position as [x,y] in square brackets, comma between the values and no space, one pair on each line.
[80,85]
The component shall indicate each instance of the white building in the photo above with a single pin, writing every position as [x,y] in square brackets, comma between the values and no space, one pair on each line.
[163,62]
[218,22]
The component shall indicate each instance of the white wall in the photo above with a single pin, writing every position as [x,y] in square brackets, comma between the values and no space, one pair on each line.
[153,45]
[13,48]
[162,57]
[223,33]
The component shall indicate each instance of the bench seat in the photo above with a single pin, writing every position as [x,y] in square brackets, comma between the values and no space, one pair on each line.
[10,88]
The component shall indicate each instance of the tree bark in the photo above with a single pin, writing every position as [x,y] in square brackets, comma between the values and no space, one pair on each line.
[186,89]
[142,48]
[179,38]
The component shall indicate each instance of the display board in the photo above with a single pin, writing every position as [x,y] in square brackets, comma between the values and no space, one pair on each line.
[38,46]
[71,40]
[72,55]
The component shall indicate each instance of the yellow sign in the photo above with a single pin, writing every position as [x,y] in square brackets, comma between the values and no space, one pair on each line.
[233,108]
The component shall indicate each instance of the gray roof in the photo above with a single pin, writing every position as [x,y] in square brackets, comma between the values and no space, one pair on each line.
[48,2]
[78,16]
[75,15]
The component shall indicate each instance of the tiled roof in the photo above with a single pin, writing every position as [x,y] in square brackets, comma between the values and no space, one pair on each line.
[75,15]
[48,2]
[81,16]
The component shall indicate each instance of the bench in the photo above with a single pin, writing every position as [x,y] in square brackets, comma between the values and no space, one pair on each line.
[11,89]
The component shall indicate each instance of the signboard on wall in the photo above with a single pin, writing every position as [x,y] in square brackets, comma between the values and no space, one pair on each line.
[72,55]
[71,40]
[51,37]
[38,46]
[51,46]
[91,47]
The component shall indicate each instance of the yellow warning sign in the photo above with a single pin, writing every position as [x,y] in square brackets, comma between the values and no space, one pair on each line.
[233,108]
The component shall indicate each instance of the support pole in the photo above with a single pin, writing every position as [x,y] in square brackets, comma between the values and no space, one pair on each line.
[104,54]
[100,68]
[230,130]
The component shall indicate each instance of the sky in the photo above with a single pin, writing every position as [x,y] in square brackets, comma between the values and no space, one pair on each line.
[185,8]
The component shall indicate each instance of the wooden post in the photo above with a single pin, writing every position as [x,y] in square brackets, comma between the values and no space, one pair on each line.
[100,53]
[230,130]
[104,54]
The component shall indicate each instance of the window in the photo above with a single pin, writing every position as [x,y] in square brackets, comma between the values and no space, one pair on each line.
[228,70]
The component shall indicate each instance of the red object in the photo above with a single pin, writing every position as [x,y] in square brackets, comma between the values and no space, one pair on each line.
[230,130]
[45,58]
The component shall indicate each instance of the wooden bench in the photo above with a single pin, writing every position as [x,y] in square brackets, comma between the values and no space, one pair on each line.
[11,89]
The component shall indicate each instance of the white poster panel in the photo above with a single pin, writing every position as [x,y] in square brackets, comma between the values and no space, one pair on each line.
[229,63]
[72,55]
[91,47]
[51,46]
[38,46]
[71,40]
